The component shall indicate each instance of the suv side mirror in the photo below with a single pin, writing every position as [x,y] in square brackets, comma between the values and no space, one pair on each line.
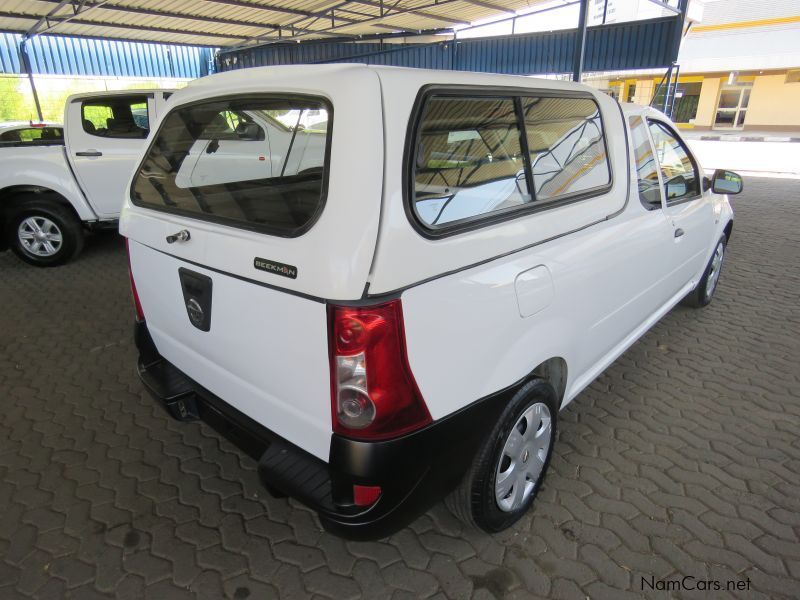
[726,182]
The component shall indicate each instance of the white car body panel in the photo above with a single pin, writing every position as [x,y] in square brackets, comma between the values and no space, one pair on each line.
[260,369]
[44,167]
[482,308]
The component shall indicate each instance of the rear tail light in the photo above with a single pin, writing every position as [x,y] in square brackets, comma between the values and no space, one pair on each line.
[373,393]
[137,304]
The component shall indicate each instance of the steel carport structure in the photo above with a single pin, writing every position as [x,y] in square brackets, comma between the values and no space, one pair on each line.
[257,31]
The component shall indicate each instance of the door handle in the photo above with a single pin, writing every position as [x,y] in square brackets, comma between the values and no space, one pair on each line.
[679,232]
[182,236]
[89,153]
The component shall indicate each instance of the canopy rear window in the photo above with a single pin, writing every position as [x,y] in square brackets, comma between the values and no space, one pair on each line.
[258,164]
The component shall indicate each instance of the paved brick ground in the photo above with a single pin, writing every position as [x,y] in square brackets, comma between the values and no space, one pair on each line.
[682,459]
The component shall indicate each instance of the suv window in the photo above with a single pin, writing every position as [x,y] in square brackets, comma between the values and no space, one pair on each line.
[116,117]
[646,167]
[566,145]
[277,184]
[468,160]
[677,166]
[33,134]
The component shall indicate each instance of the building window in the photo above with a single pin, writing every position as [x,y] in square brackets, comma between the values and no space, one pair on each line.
[631,93]
[687,97]
[732,106]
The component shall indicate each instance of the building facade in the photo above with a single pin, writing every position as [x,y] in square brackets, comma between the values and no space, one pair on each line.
[739,68]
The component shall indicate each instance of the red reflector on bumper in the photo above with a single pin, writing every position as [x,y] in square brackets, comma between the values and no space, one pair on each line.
[366,495]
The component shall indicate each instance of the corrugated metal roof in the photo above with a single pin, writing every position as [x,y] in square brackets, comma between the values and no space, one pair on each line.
[243,22]
[618,46]
[82,56]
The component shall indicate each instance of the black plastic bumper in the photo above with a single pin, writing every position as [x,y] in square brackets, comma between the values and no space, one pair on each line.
[413,471]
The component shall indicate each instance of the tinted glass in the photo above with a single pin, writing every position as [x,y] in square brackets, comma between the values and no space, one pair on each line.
[468,160]
[677,167]
[33,134]
[565,140]
[230,125]
[646,167]
[258,164]
[116,117]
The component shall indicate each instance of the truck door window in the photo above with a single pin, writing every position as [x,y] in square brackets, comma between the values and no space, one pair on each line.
[469,160]
[678,169]
[123,117]
[566,145]
[646,167]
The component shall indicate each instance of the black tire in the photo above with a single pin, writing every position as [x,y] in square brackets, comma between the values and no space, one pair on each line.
[474,501]
[701,295]
[43,210]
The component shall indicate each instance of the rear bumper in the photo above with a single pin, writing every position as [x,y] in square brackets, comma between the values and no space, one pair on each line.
[413,471]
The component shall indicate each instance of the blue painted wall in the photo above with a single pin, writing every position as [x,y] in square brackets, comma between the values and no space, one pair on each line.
[619,46]
[57,55]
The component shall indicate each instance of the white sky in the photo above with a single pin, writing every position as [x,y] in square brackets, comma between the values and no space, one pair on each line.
[560,18]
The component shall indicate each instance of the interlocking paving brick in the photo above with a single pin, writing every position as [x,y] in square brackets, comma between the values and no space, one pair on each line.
[681,459]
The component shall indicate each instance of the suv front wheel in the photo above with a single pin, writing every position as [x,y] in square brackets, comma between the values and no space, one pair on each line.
[704,292]
[44,233]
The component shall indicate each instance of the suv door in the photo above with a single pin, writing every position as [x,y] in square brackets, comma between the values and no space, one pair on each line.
[106,136]
[687,205]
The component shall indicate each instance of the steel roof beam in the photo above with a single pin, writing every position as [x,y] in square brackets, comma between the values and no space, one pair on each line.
[53,21]
[417,10]
[393,12]
[169,14]
[76,21]
[78,7]
[491,6]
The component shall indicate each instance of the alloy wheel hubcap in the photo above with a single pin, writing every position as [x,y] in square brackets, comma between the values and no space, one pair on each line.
[716,267]
[523,456]
[40,236]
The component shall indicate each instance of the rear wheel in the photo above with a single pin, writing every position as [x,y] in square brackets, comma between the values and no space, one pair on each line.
[704,292]
[512,462]
[44,233]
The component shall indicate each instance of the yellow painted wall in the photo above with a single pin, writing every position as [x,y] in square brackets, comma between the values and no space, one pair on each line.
[707,104]
[644,91]
[773,103]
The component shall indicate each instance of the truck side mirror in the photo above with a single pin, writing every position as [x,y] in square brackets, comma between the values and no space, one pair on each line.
[726,182]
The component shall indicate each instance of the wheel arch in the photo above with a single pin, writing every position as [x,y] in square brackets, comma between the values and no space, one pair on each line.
[553,370]
[14,196]
[728,230]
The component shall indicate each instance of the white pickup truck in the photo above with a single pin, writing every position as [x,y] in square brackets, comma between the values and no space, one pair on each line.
[55,188]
